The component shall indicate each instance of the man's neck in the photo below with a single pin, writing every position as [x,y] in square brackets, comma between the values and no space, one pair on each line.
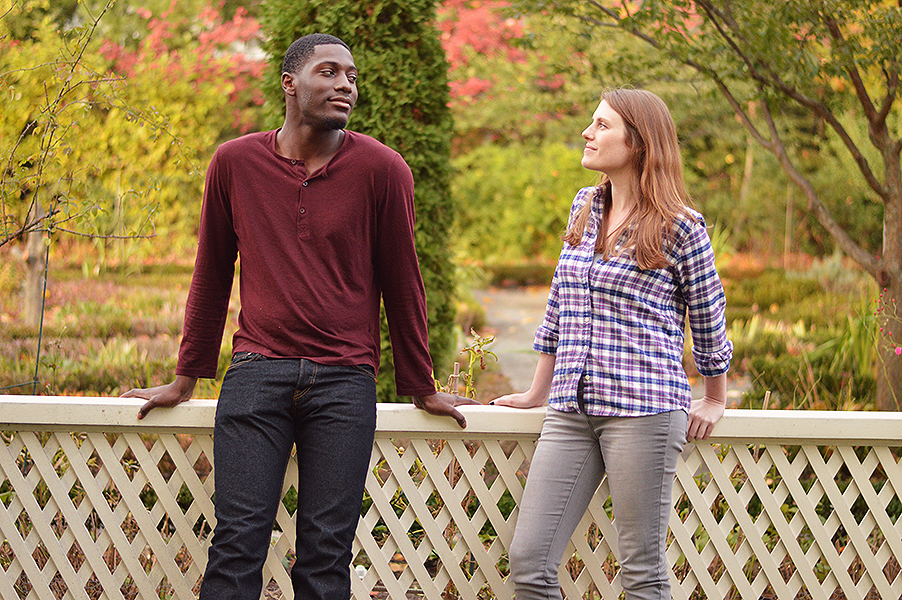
[313,148]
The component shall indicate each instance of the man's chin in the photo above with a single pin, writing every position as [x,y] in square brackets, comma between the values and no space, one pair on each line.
[336,123]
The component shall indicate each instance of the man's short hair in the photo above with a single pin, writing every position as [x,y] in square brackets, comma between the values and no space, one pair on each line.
[302,48]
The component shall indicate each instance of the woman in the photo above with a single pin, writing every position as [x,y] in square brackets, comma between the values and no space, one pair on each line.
[636,260]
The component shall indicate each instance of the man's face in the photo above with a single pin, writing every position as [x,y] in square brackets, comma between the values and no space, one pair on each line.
[325,87]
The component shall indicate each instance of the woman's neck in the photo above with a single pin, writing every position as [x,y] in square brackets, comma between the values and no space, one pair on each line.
[624,197]
[624,191]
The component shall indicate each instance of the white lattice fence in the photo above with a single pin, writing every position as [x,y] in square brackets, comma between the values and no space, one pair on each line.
[780,505]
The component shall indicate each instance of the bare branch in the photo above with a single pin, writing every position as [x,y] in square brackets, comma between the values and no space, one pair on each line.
[618,22]
[861,91]
[97,236]
[764,76]
[28,227]
[892,88]
[604,9]
[742,114]
[815,206]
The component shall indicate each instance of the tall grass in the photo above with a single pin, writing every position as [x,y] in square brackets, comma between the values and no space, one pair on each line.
[807,337]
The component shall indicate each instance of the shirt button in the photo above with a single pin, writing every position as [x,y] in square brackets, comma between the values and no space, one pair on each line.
[304,184]
[303,210]
[294,162]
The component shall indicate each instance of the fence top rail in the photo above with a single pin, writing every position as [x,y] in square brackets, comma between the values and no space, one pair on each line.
[404,420]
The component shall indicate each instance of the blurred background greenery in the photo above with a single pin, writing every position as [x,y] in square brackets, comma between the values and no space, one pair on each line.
[159,84]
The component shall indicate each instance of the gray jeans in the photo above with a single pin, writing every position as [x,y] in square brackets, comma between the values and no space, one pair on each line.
[639,457]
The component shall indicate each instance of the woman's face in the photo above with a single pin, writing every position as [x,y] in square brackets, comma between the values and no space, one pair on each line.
[606,148]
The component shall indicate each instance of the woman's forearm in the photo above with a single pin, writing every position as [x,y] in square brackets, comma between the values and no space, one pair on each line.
[716,388]
[541,380]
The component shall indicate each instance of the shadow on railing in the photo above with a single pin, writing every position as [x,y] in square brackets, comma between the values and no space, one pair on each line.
[779,504]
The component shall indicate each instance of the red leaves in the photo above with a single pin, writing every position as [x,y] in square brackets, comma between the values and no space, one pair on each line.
[476,28]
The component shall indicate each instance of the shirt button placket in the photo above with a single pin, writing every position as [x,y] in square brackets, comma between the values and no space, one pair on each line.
[303,224]
[587,324]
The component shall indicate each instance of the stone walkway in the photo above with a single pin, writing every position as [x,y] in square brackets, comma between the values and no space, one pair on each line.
[514,314]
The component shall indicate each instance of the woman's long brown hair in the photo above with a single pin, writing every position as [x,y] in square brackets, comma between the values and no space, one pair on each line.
[662,197]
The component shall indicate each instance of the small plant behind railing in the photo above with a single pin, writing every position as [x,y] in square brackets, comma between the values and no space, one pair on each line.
[476,353]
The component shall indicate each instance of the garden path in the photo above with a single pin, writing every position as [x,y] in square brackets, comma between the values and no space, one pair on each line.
[513,314]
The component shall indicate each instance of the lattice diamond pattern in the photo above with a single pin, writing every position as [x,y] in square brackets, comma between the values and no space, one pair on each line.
[76,524]
[103,515]
[441,517]
[777,521]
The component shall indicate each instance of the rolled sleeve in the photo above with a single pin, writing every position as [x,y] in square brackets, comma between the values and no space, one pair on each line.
[706,304]
[547,334]
[712,364]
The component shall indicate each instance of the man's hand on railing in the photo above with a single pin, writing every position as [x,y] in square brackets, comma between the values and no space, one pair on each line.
[443,404]
[166,395]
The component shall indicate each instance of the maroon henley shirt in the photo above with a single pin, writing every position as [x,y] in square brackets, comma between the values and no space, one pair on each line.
[317,253]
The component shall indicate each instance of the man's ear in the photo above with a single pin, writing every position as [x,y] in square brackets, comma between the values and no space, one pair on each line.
[288,84]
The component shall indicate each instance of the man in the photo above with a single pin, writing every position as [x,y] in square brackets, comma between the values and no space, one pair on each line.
[322,219]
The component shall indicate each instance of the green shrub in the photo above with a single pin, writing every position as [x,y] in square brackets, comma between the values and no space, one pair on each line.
[825,369]
[512,201]
[809,338]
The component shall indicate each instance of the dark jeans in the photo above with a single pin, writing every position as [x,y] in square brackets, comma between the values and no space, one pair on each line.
[265,406]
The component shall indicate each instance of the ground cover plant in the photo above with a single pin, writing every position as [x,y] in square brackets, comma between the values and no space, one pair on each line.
[107,332]
[804,336]
[102,334]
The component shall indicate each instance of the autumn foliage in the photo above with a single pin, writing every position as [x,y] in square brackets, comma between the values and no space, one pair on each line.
[109,140]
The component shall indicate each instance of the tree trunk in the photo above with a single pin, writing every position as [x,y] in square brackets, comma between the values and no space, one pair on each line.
[33,286]
[889,278]
[889,363]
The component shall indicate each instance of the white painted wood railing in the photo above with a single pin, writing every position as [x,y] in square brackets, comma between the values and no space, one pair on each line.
[97,504]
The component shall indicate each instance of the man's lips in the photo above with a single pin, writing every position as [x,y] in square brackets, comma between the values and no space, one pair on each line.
[343,102]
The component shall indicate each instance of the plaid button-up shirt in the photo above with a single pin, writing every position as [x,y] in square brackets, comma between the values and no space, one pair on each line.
[621,329]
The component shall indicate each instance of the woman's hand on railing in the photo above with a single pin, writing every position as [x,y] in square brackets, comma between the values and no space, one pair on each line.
[706,411]
[166,395]
[703,415]
[520,400]
[443,404]
[537,394]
